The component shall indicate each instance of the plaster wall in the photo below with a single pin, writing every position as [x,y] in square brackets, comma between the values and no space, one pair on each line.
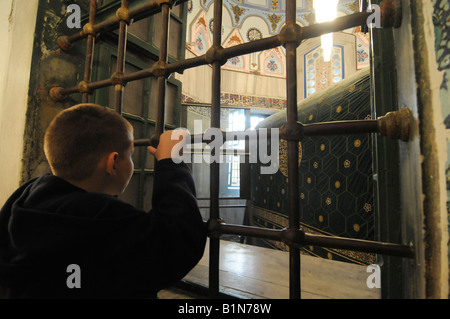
[17,26]
[433,148]
[441,145]
[410,171]
[196,83]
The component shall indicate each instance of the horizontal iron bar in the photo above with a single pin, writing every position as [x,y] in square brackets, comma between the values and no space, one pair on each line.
[251,47]
[306,239]
[312,31]
[338,24]
[315,30]
[222,152]
[108,24]
[341,127]
[251,231]
[395,125]
[220,198]
[359,245]
[92,86]
[226,206]
[180,66]
[327,128]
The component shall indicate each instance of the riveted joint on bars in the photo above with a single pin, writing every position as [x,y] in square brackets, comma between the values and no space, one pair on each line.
[159,69]
[215,54]
[64,43]
[118,81]
[56,95]
[83,87]
[396,125]
[290,33]
[213,227]
[292,131]
[165,2]
[123,14]
[293,237]
[88,29]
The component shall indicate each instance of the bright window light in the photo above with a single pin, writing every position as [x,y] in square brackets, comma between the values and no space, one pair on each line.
[326,10]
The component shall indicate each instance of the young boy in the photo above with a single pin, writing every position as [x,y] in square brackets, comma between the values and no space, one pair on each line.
[66,235]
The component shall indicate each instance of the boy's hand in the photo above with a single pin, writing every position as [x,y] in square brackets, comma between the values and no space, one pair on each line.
[171,144]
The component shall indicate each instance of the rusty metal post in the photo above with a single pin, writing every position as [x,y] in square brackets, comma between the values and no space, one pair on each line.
[160,65]
[292,147]
[123,15]
[214,247]
[88,28]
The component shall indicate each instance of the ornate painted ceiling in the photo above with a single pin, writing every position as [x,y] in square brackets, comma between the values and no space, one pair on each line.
[249,20]
[273,11]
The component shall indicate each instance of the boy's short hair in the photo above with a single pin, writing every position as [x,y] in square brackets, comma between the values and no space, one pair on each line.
[80,136]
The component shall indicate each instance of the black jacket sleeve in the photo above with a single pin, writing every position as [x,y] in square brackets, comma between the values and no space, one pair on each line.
[179,225]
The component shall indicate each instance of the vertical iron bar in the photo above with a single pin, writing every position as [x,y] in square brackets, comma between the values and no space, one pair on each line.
[89,50]
[214,248]
[163,49]
[292,150]
[121,52]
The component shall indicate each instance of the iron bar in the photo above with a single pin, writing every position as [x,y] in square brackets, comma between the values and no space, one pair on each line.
[221,198]
[395,125]
[251,231]
[306,239]
[180,66]
[89,50]
[122,13]
[138,75]
[226,206]
[339,24]
[292,151]
[214,248]
[359,245]
[341,127]
[108,24]
[163,49]
[323,128]
[146,8]
[251,47]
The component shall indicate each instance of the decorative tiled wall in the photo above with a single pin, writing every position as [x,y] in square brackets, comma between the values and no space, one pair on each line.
[240,100]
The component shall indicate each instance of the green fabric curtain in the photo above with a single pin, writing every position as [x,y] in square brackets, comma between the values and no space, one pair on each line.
[335,173]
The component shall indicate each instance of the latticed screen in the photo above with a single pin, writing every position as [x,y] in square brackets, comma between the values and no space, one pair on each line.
[141,90]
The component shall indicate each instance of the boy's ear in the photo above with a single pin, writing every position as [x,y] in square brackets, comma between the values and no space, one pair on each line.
[111,163]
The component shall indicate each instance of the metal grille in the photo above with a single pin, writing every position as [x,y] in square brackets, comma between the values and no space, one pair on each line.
[394,125]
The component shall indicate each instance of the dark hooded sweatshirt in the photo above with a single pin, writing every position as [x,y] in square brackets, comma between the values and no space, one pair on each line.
[49,224]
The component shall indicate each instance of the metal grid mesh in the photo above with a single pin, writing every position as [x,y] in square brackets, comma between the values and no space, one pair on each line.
[394,125]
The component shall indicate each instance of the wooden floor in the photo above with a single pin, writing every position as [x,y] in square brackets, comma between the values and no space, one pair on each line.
[252,272]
